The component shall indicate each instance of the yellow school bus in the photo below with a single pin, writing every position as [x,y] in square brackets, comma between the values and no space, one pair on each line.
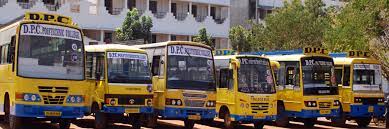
[42,70]
[360,87]
[306,86]
[246,90]
[183,80]
[121,81]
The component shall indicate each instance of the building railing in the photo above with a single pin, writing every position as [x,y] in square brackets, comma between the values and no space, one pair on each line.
[116,11]
[27,5]
[220,20]
[53,7]
[160,15]
[3,2]
[181,16]
[200,18]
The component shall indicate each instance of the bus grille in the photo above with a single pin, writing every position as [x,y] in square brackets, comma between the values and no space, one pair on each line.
[48,89]
[53,100]
[194,103]
[324,104]
[259,106]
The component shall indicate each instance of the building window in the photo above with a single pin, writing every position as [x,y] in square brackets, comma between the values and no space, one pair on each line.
[173,38]
[131,4]
[194,10]
[153,38]
[252,8]
[108,37]
[213,12]
[153,6]
[174,9]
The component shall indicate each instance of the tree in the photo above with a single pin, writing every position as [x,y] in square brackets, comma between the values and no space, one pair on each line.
[295,25]
[135,27]
[239,38]
[204,38]
[360,26]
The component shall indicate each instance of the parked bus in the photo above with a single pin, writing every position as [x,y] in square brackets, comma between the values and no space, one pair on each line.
[121,81]
[306,86]
[42,70]
[184,81]
[360,87]
[246,90]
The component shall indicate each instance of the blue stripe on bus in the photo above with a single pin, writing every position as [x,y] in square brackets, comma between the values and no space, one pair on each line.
[362,111]
[183,113]
[37,111]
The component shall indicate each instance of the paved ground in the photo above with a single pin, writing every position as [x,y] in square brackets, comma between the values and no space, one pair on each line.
[87,123]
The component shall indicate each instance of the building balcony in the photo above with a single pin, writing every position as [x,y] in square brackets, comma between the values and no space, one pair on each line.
[3,2]
[159,15]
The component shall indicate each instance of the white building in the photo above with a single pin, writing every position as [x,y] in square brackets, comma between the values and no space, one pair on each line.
[172,19]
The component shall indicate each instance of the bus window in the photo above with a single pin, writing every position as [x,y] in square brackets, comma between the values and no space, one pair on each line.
[338,75]
[11,51]
[290,75]
[95,65]
[346,77]
[155,65]
[226,79]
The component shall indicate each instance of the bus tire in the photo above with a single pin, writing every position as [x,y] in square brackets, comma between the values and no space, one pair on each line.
[259,124]
[282,119]
[151,120]
[100,120]
[228,123]
[15,122]
[309,122]
[189,124]
[64,124]
[363,122]
[6,109]
[136,122]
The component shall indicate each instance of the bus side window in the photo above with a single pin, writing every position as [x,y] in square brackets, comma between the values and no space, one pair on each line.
[155,65]
[11,52]
[338,75]
[226,79]
[290,76]
[95,66]
[346,77]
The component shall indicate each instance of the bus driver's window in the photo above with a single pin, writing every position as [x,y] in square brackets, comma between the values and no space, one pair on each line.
[290,75]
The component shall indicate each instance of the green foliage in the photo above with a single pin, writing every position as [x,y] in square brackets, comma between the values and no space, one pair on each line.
[244,40]
[296,26]
[135,27]
[204,38]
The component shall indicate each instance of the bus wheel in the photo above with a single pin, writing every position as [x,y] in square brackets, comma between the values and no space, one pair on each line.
[339,121]
[228,123]
[64,124]
[15,122]
[282,118]
[189,124]
[363,122]
[259,125]
[309,122]
[151,120]
[100,120]
[136,122]
[6,109]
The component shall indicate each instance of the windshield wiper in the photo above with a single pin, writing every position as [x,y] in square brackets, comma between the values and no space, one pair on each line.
[186,52]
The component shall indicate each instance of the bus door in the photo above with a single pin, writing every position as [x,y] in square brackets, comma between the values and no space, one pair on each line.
[226,86]
[95,74]
[291,84]
[157,69]
[346,94]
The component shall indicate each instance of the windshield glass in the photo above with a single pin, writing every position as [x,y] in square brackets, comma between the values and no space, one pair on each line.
[126,67]
[49,51]
[254,76]
[319,76]
[190,67]
[367,77]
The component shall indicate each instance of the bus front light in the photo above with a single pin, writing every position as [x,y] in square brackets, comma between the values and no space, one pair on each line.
[75,99]
[336,103]
[310,103]
[28,97]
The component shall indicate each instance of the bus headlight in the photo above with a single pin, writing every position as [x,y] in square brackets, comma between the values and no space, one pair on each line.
[310,103]
[336,103]
[28,97]
[149,102]
[380,100]
[357,100]
[179,102]
[74,99]
[210,104]
[175,102]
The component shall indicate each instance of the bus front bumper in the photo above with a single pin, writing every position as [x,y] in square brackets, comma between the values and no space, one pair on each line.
[184,113]
[363,110]
[122,109]
[313,113]
[43,111]
[244,118]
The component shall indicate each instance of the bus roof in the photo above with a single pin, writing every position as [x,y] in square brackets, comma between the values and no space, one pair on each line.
[286,57]
[236,56]
[162,44]
[349,61]
[112,47]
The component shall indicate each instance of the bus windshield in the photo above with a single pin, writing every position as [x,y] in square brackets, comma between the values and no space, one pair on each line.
[191,68]
[367,77]
[126,67]
[254,76]
[51,52]
[319,76]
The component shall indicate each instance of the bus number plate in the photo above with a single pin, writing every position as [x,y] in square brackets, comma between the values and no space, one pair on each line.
[194,117]
[52,113]
[259,117]
[131,110]
[325,111]
[371,109]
